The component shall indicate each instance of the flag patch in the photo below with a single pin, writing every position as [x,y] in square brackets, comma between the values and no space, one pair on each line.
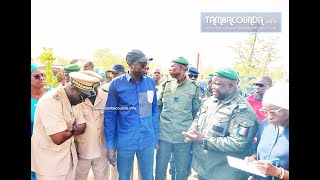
[242,131]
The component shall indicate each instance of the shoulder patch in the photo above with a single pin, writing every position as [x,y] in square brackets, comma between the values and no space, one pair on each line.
[242,106]
[57,95]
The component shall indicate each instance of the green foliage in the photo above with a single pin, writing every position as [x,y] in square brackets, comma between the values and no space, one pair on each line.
[61,61]
[46,58]
[256,57]
[105,59]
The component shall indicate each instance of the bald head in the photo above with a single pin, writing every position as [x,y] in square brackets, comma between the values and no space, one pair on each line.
[88,65]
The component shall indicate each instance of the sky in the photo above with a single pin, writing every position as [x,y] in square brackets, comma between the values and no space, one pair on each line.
[163,29]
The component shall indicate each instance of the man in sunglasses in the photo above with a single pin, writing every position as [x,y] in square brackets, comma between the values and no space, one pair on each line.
[53,151]
[178,102]
[131,118]
[261,85]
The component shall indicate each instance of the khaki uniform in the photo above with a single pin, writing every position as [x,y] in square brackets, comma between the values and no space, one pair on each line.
[91,145]
[229,127]
[178,103]
[49,160]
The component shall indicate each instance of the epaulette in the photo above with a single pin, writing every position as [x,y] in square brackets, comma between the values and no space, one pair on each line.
[57,95]
[242,106]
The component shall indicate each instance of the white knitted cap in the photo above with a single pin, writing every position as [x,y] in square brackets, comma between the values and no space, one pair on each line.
[278,95]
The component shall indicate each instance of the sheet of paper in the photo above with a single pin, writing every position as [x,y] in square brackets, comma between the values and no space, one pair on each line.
[242,165]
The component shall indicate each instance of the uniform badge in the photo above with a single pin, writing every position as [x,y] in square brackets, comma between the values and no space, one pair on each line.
[242,105]
[242,131]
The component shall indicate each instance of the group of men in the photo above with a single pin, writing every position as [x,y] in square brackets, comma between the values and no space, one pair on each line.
[83,125]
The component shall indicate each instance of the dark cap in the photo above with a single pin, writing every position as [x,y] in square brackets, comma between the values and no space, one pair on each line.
[117,68]
[137,55]
[193,70]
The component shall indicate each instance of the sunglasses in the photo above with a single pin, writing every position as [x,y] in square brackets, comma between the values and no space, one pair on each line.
[261,84]
[272,112]
[193,75]
[38,76]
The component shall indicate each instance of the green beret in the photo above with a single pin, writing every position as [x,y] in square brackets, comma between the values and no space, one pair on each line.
[71,68]
[228,73]
[181,60]
[210,76]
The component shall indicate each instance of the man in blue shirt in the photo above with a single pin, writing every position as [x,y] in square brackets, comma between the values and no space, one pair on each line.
[130,119]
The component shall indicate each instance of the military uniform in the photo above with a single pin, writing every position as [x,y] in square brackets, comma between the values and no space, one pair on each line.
[178,104]
[53,113]
[228,126]
[91,145]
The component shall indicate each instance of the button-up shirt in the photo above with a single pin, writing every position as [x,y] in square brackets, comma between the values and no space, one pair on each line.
[92,143]
[130,118]
[178,102]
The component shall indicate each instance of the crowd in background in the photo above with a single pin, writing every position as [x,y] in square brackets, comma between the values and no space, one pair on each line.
[113,121]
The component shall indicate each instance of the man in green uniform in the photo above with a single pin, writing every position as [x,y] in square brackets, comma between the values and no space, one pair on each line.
[179,101]
[225,126]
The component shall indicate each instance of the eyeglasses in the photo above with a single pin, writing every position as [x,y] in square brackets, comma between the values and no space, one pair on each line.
[261,84]
[273,112]
[37,77]
[193,75]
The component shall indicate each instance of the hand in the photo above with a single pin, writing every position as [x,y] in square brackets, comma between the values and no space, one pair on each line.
[267,168]
[249,159]
[193,136]
[111,155]
[157,146]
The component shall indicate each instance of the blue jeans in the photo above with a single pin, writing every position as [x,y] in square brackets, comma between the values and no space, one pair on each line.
[145,160]
[181,153]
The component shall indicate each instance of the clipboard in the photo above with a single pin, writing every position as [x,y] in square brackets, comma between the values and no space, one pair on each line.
[244,166]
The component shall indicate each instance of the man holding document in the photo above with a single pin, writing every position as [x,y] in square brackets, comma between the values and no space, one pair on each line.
[225,125]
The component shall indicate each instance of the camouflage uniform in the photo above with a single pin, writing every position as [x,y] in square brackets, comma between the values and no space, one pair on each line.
[229,127]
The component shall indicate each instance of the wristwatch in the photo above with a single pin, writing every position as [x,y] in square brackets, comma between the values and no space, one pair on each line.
[74,127]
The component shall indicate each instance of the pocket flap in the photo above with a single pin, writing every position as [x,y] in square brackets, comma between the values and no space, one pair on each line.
[245,122]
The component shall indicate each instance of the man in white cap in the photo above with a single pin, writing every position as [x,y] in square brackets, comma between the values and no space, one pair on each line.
[271,155]
[53,151]
[91,145]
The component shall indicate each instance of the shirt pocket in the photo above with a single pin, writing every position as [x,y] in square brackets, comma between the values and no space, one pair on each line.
[221,125]
[243,127]
[186,101]
[167,102]
[49,145]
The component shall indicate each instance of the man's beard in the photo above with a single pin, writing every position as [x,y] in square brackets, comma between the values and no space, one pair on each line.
[258,96]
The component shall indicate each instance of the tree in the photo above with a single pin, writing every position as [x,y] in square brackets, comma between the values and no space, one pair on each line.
[257,57]
[105,59]
[46,58]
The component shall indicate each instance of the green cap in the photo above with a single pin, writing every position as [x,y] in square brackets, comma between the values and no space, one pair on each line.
[210,76]
[71,68]
[181,60]
[228,73]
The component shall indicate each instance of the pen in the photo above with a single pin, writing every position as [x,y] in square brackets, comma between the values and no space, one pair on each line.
[274,160]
